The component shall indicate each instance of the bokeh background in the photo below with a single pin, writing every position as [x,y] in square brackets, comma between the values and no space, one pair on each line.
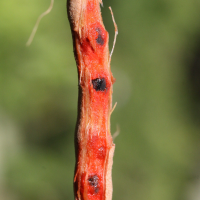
[156,63]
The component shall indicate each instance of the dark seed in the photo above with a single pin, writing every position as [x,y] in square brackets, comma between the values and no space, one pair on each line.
[93,180]
[99,84]
[100,40]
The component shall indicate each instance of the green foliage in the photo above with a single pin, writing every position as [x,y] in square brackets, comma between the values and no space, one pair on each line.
[158,142]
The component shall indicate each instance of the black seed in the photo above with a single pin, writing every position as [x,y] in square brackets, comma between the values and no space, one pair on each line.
[100,40]
[94,181]
[99,84]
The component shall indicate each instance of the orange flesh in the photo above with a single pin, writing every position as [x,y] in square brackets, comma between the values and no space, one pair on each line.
[93,139]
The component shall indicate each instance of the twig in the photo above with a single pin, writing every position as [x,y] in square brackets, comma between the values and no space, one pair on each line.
[37,23]
[116,33]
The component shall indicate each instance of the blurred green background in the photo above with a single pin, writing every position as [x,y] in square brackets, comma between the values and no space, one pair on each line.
[156,64]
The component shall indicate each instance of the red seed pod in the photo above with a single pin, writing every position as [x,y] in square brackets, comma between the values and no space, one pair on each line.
[93,141]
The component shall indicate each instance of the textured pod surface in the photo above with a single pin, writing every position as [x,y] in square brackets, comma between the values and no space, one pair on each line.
[93,141]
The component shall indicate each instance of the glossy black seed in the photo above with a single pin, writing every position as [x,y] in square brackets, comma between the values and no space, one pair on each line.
[100,40]
[99,84]
[94,181]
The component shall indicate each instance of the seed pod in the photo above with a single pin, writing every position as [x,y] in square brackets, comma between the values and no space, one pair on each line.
[93,141]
